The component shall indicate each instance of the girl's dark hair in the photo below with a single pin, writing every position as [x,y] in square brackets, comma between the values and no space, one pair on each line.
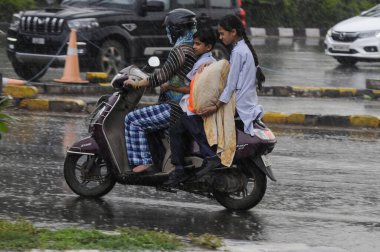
[230,22]
[206,35]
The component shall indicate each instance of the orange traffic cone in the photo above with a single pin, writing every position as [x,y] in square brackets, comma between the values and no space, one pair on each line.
[71,72]
[13,82]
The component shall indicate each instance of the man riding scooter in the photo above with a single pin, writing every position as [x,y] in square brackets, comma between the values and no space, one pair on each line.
[180,25]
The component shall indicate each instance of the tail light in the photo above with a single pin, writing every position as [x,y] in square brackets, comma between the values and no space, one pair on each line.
[242,16]
[242,13]
[264,134]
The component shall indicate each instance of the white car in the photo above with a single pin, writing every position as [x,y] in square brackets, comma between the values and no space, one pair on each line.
[355,39]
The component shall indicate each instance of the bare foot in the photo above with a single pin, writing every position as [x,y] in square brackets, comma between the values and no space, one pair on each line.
[141,168]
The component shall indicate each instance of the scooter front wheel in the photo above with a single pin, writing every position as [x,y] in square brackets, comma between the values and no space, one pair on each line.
[87,175]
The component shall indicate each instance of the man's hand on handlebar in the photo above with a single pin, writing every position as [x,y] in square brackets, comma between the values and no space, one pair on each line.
[136,83]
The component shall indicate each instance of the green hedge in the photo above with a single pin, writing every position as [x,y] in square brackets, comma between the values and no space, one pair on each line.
[302,13]
[8,7]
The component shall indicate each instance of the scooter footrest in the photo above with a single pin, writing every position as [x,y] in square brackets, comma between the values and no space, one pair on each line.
[189,167]
[166,189]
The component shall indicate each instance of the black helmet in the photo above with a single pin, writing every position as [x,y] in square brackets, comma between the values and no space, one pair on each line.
[178,21]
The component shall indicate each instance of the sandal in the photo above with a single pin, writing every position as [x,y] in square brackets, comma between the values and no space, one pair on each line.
[142,168]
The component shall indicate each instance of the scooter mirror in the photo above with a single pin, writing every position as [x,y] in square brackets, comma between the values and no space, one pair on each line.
[154,61]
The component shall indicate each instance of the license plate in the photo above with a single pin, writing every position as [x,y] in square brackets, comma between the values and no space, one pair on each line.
[266,160]
[38,41]
[342,48]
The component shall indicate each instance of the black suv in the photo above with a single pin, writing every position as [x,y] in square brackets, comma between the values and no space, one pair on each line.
[110,33]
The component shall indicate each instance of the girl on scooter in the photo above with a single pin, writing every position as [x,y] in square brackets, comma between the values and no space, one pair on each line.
[180,26]
[243,78]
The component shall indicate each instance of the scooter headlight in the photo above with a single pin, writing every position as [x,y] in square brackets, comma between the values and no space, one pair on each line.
[95,117]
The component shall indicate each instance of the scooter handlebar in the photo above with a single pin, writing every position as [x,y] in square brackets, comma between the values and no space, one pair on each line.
[118,80]
[130,72]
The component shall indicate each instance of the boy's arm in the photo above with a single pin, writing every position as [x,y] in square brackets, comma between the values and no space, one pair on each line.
[182,89]
[166,86]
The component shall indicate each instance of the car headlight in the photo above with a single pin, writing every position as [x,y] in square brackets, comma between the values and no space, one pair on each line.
[83,23]
[369,34]
[329,33]
[15,22]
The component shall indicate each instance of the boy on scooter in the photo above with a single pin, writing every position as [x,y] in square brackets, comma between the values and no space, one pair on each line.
[190,123]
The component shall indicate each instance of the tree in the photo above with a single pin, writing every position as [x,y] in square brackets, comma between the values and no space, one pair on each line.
[302,13]
[9,7]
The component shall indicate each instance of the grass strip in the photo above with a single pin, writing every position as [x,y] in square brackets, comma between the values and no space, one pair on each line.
[209,241]
[22,235]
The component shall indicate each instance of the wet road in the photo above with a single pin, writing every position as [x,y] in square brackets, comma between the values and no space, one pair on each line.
[326,194]
[286,62]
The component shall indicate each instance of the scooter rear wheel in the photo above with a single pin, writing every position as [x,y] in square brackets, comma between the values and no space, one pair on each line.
[88,176]
[247,199]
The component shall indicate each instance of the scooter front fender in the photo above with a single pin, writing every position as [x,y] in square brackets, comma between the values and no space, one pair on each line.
[87,146]
[265,169]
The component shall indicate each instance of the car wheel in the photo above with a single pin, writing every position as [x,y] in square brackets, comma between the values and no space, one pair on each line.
[28,71]
[111,58]
[347,61]
[220,52]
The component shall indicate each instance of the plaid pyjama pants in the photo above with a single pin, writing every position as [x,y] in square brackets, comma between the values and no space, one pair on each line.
[142,121]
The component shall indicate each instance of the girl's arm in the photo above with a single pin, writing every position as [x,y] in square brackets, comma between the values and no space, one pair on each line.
[236,64]
[210,109]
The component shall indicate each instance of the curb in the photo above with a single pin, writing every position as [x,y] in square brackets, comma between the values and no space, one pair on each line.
[85,89]
[53,105]
[21,91]
[366,121]
[287,32]
[318,92]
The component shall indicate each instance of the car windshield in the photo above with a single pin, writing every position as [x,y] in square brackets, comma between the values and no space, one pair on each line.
[374,12]
[123,4]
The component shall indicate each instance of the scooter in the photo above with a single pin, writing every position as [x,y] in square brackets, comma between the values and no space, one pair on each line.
[96,163]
